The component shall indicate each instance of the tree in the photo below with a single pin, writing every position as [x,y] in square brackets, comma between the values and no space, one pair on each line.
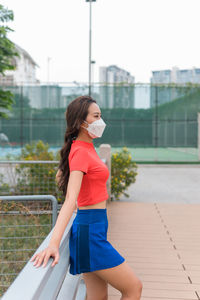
[7,53]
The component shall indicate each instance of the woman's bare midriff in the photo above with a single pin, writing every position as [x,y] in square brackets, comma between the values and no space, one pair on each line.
[97,205]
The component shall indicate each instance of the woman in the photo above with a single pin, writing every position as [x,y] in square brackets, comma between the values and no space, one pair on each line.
[82,177]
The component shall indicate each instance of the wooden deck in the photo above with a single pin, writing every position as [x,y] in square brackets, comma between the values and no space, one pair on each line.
[161,242]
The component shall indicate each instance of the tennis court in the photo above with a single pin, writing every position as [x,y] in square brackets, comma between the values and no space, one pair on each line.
[165,154]
[140,155]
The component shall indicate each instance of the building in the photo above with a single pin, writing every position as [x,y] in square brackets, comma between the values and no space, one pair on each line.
[25,71]
[114,74]
[23,80]
[115,88]
[176,76]
[168,76]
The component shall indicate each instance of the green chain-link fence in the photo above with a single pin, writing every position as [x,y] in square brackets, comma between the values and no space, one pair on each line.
[156,122]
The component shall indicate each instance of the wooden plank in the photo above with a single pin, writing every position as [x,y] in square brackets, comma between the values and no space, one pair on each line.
[160,243]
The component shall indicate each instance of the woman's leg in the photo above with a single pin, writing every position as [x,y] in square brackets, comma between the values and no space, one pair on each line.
[97,288]
[124,279]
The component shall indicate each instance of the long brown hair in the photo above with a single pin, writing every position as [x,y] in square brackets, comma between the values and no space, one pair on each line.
[76,113]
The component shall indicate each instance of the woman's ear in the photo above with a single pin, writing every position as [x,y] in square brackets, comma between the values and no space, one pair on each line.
[84,124]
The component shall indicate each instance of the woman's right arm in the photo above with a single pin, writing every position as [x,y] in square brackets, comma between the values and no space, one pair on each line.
[65,214]
[69,205]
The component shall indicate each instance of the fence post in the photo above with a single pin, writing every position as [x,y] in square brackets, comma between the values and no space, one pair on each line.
[105,153]
[198,135]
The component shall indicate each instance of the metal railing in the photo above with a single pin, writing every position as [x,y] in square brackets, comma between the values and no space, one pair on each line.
[25,221]
[28,177]
[34,177]
[47,283]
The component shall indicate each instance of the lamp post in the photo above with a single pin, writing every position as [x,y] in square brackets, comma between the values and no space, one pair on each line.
[90,43]
[48,63]
[92,73]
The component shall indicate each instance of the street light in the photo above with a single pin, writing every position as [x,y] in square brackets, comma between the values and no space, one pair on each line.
[90,43]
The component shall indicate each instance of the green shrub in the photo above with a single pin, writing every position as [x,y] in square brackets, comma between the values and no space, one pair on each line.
[123,173]
[37,178]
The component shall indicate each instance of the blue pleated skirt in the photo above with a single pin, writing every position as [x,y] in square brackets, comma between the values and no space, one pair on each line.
[88,245]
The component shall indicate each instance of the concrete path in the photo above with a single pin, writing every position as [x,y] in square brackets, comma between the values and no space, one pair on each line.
[161,242]
[165,184]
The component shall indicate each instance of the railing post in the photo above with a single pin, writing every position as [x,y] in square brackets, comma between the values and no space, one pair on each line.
[105,153]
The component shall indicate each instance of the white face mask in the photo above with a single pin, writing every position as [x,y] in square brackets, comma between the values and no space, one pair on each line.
[96,128]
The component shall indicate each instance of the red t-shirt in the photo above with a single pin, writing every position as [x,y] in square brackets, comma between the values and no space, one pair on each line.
[83,157]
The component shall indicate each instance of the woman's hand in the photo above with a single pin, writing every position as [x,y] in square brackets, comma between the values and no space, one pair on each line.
[45,255]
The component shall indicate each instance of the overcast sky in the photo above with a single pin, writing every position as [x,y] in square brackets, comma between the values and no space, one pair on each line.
[138,36]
